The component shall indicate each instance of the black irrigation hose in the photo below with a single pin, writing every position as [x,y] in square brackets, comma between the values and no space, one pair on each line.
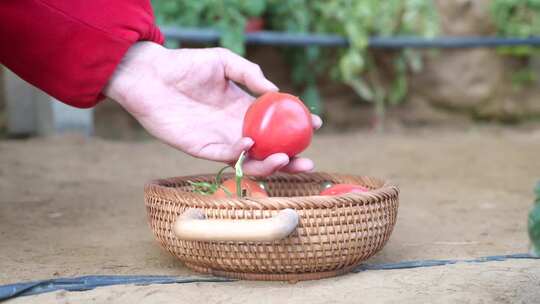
[433,263]
[93,281]
[451,42]
[201,35]
[90,282]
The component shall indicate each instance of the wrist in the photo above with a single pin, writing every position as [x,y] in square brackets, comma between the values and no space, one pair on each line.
[138,61]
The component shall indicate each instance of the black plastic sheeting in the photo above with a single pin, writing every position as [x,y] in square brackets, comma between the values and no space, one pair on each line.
[93,281]
[433,263]
[202,35]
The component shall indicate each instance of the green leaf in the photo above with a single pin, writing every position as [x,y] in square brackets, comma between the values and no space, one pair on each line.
[351,64]
[398,91]
[357,36]
[362,89]
[518,18]
[312,99]
[414,60]
[233,39]
[525,76]
[356,20]
[299,72]
[313,53]
[203,187]
[533,227]
[253,8]
[399,86]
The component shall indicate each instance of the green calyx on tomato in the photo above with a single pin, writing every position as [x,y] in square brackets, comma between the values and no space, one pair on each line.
[277,123]
[249,188]
[207,188]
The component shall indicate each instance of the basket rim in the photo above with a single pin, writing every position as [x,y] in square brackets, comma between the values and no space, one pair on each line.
[388,190]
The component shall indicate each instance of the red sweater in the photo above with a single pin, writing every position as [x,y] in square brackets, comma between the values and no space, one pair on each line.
[70,48]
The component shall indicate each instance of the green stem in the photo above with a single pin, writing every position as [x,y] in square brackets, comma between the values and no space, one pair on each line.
[379,114]
[378,98]
[219,174]
[239,173]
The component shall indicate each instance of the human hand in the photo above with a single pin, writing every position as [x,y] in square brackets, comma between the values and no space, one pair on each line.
[188,99]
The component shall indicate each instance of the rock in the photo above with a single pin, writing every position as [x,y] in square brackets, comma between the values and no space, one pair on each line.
[474,82]
[460,79]
[465,17]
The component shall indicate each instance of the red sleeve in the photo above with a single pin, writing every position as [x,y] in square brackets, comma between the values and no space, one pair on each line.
[69,49]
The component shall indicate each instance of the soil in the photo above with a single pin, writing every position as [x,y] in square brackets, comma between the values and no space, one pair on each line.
[73,206]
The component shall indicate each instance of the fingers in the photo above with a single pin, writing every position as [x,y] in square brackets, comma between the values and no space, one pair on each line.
[267,166]
[316,121]
[298,165]
[243,71]
[244,144]
[271,164]
[278,162]
[225,153]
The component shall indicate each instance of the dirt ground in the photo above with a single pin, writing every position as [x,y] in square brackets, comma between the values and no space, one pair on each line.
[71,206]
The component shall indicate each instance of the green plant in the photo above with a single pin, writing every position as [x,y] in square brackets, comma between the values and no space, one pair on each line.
[377,77]
[301,16]
[206,188]
[228,16]
[533,223]
[364,70]
[518,18]
[524,76]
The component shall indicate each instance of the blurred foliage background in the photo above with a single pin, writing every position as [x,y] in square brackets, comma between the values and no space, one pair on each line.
[518,18]
[377,77]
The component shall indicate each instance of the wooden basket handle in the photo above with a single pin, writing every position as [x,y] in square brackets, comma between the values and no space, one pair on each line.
[192,226]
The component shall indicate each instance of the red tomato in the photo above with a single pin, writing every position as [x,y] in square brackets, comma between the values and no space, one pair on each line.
[343,189]
[277,123]
[251,188]
[254,24]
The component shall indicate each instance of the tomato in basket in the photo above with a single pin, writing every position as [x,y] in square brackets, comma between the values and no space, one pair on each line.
[339,189]
[239,186]
[250,188]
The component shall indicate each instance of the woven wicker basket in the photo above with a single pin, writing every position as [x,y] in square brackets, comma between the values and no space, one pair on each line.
[329,235]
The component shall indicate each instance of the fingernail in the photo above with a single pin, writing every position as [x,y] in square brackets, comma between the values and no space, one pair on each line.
[248,142]
[318,122]
[310,165]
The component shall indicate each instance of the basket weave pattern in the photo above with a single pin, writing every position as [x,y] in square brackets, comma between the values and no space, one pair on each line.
[334,233]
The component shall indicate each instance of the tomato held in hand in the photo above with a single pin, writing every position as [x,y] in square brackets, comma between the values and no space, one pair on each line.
[249,187]
[343,189]
[277,123]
